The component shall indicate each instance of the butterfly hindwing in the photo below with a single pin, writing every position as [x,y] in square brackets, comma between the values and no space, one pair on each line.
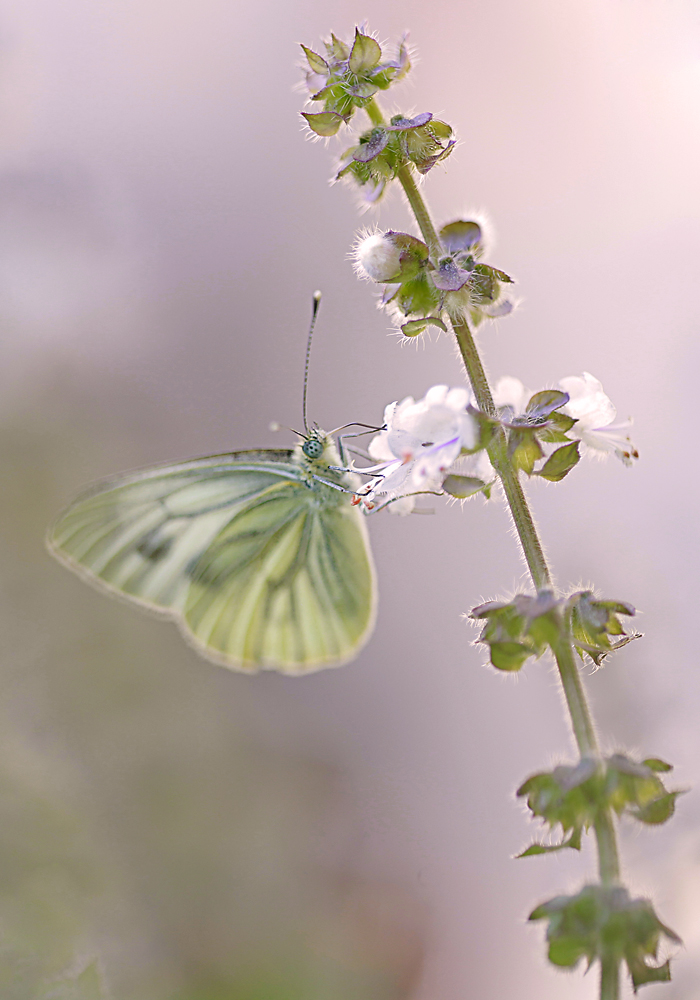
[261,564]
[287,583]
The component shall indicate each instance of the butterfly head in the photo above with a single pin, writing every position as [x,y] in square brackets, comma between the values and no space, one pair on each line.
[314,445]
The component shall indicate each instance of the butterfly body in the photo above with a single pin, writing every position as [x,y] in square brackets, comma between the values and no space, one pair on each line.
[259,556]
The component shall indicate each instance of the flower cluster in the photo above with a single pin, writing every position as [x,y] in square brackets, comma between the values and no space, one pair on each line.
[438,444]
[419,289]
[580,413]
[383,150]
[419,448]
[348,78]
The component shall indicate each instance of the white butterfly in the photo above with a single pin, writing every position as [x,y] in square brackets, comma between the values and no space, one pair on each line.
[260,557]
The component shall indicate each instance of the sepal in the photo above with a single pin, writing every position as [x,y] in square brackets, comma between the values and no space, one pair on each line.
[516,631]
[382,151]
[574,796]
[325,123]
[593,622]
[560,462]
[349,77]
[605,921]
[462,487]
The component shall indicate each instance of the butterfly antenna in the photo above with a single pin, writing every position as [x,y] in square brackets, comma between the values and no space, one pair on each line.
[314,314]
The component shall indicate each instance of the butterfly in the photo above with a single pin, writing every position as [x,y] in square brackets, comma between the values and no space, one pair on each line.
[260,557]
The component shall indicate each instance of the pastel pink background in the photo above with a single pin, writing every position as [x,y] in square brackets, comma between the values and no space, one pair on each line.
[163,224]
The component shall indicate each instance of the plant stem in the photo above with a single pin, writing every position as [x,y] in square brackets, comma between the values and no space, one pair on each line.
[498,453]
[565,655]
[609,978]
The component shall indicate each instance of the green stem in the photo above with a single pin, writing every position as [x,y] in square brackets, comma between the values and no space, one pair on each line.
[608,858]
[609,978]
[581,720]
[498,453]
[565,655]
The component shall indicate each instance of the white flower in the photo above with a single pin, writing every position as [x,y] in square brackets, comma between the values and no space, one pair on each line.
[421,442]
[594,413]
[377,257]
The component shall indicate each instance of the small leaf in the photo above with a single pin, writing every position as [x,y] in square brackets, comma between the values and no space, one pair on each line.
[658,810]
[543,403]
[560,463]
[423,166]
[337,49]
[441,130]
[656,764]
[524,450]
[493,272]
[462,486]
[375,144]
[509,655]
[401,124]
[325,123]
[550,435]
[365,53]
[460,235]
[416,326]
[642,973]
[574,842]
[317,63]
[484,610]
[567,951]
[449,277]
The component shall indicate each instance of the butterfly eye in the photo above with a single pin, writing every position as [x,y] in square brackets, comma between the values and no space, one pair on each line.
[312,448]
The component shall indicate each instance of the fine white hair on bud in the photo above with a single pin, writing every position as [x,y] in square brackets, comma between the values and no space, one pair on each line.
[376,256]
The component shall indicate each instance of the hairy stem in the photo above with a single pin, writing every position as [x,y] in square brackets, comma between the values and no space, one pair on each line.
[565,655]
[609,978]
[498,453]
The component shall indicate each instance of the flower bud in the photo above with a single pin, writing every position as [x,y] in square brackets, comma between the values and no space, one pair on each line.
[378,257]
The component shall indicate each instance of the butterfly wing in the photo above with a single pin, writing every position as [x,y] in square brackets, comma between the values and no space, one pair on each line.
[258,569]
[287,584]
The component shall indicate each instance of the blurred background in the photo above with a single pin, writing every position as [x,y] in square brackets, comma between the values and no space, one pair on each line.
[163,224]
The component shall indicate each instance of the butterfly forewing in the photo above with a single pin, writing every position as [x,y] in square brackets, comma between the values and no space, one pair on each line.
[261,564]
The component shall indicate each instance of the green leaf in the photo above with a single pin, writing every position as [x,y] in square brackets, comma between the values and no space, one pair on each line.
[543,403]
[417,326]
[449,277]
[524,450]
[574,842]
[560,463]
[494,273]
[656,764]
[509,656]
[566,952]
[400,124]
[365,53]
[371,145]
[441,130]
[338,50]
[325,123]
[463,486]
[658,810]
[460,235]
[317,63]
[642,973]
